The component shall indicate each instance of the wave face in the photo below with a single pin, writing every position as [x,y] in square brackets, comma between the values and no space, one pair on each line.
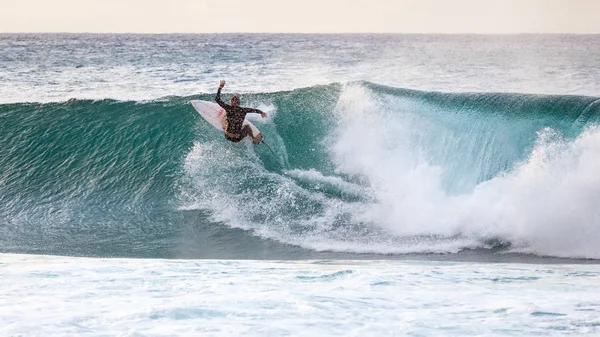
[366,169]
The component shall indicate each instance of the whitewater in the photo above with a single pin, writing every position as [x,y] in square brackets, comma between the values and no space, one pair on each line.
[421,185]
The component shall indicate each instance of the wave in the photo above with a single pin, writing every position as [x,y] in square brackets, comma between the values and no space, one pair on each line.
[367,169]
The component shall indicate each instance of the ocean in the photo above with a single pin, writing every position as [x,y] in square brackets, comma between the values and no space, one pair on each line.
[418,185]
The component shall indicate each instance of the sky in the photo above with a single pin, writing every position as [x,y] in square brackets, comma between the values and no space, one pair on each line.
[301,16]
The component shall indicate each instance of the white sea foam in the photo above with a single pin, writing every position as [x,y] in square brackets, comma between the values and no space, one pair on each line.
[547,204]
[63,296]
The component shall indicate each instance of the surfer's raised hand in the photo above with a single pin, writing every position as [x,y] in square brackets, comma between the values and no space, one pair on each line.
[222,84]
[263,114]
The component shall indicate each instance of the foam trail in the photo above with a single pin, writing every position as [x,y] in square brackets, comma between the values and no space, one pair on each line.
[318,178]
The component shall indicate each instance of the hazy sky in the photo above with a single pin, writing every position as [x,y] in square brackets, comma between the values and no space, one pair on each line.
[302,16]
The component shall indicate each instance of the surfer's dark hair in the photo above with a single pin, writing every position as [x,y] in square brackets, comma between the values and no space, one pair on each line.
[235,100]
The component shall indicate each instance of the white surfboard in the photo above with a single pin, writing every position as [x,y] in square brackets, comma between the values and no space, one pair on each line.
[213,113]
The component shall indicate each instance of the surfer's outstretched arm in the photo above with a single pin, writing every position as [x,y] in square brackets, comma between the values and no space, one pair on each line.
[254,111]
[218,97]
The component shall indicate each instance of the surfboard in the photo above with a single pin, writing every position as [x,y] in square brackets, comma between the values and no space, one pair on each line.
[213,114]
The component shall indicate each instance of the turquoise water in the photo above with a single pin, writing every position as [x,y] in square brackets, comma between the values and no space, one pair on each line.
[102,155]
[125,178]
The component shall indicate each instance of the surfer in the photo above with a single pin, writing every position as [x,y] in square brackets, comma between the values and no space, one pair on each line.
[233,122]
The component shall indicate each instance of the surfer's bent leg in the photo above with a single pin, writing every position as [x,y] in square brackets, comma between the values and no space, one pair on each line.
[247,131]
